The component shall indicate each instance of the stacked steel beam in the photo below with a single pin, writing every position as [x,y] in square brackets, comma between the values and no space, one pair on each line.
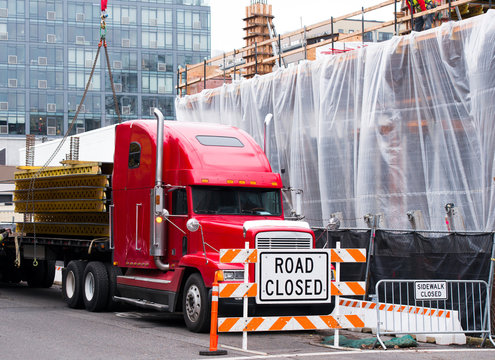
[63,200]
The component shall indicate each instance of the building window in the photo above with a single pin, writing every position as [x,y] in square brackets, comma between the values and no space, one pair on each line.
[4,198]
[14,8]
[155,62]
[383,36]
[41,124]
[368,37]
[123,81]
[123,15]
[127,107]
[154,17]
[79,78]
[164,104]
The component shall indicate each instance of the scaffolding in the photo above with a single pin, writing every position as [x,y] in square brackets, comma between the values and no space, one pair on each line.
[258,28]
[227,67]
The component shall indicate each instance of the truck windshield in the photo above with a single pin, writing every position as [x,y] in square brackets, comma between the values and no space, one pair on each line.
[236,201]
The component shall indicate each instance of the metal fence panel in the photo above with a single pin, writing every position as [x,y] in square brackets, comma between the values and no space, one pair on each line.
[433,307]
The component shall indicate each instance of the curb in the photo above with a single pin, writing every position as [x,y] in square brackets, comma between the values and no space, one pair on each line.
[476,341]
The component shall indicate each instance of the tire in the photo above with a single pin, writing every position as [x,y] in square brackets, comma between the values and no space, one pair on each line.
[41,276]
[95,286]
[72,284]
[196,304]
[113,272]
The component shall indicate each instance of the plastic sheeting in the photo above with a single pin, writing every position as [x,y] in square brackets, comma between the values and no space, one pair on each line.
[406,124]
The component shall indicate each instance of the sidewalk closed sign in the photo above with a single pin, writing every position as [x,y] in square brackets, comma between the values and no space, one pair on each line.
[293,276]
[430,290]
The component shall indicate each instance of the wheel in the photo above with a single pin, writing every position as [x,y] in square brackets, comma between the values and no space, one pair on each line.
[95,286]
[72,283]
[113,272]
[42,275]
[196,304]
[49,277]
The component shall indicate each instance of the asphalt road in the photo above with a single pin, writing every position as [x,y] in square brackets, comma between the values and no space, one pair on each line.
[36,323]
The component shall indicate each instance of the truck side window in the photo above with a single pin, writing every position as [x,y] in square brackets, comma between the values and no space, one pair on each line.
[179,202]
[134,155]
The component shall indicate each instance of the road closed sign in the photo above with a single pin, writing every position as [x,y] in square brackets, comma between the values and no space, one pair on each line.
[293,276]
[430,290]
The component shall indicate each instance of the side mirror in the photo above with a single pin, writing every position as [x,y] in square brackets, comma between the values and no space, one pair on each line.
[192,225]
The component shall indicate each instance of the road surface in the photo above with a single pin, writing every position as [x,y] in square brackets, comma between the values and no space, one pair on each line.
[36,323]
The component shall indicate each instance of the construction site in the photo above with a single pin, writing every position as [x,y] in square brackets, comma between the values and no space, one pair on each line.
[395,137]
[383,143]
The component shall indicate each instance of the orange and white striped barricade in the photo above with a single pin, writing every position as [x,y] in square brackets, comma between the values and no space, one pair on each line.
[238,256]
[286,323]
[348,255]
[367,310]
[339,256]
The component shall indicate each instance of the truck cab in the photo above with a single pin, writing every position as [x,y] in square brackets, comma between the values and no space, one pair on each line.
[213,176]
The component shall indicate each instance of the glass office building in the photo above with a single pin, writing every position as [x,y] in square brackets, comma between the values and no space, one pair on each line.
[47,50]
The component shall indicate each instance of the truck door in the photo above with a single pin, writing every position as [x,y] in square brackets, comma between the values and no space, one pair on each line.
[178,241]
[140,178]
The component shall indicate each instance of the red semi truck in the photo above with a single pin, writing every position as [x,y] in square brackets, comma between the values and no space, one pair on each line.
[180,192]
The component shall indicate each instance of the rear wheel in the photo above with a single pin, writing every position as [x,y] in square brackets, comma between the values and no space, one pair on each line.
[196,304]
[95,286]
[113,272]
[72,284]
[41,275]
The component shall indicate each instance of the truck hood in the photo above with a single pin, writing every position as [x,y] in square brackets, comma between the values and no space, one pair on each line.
[225,233]
[233,231]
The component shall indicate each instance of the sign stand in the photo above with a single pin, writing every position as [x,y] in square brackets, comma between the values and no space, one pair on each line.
[245,301]
[337,299]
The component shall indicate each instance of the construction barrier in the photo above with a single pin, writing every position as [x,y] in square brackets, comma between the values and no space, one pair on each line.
[450,308]
[283,323]
[396,315]
[58,275]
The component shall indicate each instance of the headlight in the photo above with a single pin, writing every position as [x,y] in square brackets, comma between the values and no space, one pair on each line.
[233,275]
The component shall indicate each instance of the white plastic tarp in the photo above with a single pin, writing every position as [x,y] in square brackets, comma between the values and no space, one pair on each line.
[406,124]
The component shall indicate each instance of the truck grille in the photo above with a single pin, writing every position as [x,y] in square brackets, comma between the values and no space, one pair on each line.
[284,240]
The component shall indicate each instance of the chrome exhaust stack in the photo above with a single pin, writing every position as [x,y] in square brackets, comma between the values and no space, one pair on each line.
[158,247]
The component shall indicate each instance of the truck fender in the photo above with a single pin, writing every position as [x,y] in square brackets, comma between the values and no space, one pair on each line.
[206,267]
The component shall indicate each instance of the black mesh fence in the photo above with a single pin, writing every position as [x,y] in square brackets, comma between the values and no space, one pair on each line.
[414,255]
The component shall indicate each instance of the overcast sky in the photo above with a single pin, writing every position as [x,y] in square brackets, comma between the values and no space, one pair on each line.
[227,15]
